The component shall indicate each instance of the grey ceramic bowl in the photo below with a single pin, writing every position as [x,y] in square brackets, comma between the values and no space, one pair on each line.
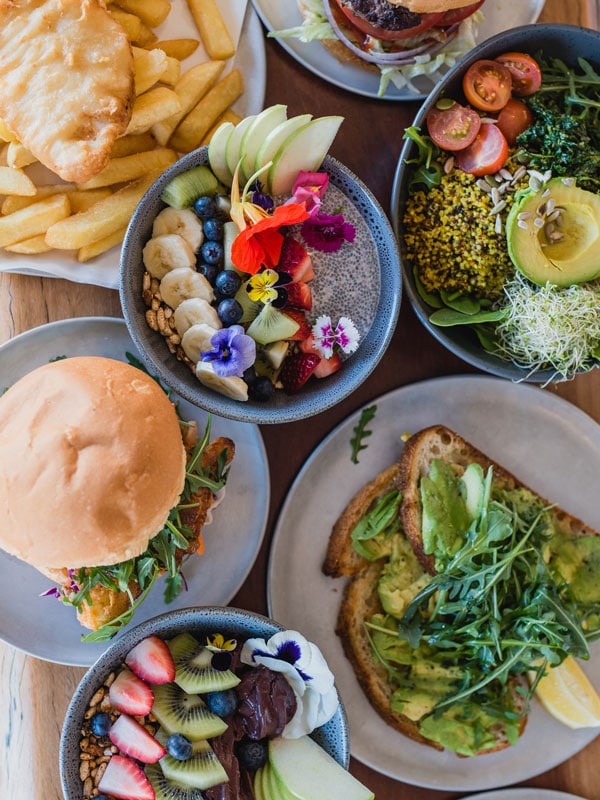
[568,42]
[369,292]
[232,623]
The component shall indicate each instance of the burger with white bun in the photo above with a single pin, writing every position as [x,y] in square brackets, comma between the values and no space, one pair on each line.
[103,488]
[403,39]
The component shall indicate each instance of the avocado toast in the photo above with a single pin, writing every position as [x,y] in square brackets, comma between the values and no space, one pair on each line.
[462,580]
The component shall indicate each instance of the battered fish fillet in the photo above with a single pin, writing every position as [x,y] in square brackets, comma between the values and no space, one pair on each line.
[66,82]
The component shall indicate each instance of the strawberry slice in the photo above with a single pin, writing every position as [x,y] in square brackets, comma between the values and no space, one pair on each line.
[299,316]
[327,366]
[124,779]
[297,369]
[299,294]
[134,740]
[295,260]
[130,694]
[151,660]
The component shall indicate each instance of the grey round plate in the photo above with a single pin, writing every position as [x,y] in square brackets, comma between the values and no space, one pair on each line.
[43,626]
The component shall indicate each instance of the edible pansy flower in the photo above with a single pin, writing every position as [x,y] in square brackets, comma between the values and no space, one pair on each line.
[303,666]
[326,337]
[327,232]
[218,642]
[233,352]
[266,287]
[309,189]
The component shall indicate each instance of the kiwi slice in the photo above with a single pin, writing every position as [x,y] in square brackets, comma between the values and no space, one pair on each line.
[193,667]
[182,190]
[272,325]
[166,789]
[202,769]
[180,712]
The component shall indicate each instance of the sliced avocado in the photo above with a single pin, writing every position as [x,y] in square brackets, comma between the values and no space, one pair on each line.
[565,255]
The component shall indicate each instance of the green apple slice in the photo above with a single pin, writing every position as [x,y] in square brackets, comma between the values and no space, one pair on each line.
[216,153]
[276,138]
[305,150]
[309,773]
[232,151]
[256,133]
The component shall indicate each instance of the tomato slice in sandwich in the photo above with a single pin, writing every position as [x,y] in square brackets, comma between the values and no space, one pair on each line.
[362,25]
[455,15]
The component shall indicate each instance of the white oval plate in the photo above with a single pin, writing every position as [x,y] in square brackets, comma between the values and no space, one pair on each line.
[524,793]
[250,59]
[500,15]
[551,445]
[45,627]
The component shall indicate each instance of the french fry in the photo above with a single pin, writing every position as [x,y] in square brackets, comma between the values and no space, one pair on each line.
[227,116]
[101,246]
[6,135]
[152,107]
[149,66]
[129,168]
[4,154]
[151,12]
[18,156]
[132,25]
[102,219]
[16,203]
[136,143]
[213,31]
[173,71]
[15,181]
[30,247]
[194,127]
[33,220]
[177,48]
[81,201]
[190,88]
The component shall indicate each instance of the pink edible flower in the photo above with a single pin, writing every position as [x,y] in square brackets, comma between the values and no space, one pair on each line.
[326,337]
[327,232]
[309,188]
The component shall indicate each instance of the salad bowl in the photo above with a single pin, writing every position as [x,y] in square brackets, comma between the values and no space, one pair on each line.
[199,622]
[362,282]
[554,41]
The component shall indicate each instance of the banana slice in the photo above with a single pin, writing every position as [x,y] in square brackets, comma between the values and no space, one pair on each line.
[163,253]
[181,284]
[231,386]
[182,222]
[197,340]
[194,311]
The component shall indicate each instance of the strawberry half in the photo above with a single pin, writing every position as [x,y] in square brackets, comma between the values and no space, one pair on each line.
[151,660]
[327,366]
[295,260]
[130,694]
[124,779]
[298,315]
[297,369]
[134,740]
[299,294]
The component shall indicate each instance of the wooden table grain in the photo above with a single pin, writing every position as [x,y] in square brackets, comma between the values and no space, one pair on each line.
[34,694]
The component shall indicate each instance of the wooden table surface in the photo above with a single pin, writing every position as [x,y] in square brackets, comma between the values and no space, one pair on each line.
[34,693]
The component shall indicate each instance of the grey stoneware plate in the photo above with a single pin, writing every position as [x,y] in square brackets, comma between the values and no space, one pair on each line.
[361,281]
[568,42]
[201,621]
[524,793]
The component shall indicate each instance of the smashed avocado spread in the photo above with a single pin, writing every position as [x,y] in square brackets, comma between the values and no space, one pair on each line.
[511,591]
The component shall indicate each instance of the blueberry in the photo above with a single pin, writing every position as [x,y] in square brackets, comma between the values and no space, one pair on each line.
[222,703]
[212,252]
[249,375]
[230,311]
[261,389]
[252,755]
[210,272]
[179,747]
[100,723]
[205,207]
[221,660]
[228,282]
[213,229]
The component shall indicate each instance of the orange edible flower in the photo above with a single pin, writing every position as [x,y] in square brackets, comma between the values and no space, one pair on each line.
[259,245]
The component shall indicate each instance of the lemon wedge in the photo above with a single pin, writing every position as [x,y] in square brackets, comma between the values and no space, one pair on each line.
[565,692]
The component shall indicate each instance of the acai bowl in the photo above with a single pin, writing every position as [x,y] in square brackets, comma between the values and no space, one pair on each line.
[463,227]
[251,688]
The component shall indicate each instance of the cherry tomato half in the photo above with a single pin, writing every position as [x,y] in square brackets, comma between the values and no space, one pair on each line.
[514,118]
[361,24]
[453,128]
[487,154]
[487,85]
[525,72]
[458,14]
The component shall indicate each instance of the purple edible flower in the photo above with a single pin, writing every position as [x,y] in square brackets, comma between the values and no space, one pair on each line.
[327,232]
[233,352]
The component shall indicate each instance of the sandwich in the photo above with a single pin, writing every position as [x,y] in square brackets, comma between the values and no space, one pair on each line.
[402,39]
[464,586]
[103,488]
